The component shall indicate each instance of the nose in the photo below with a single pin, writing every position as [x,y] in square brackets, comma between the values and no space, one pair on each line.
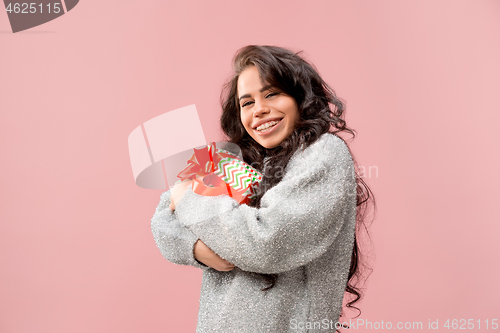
[260,108]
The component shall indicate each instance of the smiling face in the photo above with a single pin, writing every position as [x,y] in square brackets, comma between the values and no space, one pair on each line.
[268,115]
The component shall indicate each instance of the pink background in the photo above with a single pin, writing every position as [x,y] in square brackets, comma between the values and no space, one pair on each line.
[421,82]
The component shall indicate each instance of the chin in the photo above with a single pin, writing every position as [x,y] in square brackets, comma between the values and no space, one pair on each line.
[269,145]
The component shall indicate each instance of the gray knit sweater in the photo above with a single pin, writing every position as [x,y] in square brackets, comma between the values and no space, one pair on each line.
[303,232]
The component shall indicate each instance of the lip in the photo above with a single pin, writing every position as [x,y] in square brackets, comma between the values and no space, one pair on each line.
[263,121]
[271,130]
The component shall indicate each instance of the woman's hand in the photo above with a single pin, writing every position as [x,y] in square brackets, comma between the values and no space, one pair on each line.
[178,192]
[204,254]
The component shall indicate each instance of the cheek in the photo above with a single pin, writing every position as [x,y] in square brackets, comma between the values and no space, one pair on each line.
[294,118]
[245,121]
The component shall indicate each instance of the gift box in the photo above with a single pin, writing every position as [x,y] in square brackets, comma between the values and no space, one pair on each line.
[218,169]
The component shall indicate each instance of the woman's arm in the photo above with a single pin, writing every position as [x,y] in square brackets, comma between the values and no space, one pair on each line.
[299,218]
[204,254]
[178,244]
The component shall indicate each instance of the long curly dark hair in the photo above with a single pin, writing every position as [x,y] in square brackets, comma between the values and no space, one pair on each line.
[320,112]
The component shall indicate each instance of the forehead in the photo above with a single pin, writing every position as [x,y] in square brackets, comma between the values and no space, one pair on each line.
[249,81]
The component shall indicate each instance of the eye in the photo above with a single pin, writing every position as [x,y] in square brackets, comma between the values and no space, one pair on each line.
[271,94]
[246,104]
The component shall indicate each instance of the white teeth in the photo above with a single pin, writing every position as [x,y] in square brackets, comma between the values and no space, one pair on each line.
[267,125]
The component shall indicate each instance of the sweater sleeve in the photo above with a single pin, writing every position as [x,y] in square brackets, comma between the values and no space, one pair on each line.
[176,243]
[299,218]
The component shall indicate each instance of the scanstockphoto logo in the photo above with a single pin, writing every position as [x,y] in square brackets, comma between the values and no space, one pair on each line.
[26,15]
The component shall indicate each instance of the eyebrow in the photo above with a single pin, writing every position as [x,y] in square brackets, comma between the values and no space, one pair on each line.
[263,89]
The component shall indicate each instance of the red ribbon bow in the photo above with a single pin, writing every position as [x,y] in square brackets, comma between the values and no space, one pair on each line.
[201,167]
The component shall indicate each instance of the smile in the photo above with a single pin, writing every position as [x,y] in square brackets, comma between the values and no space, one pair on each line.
[268,127]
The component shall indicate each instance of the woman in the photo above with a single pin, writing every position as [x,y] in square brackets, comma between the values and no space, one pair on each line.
[283,262]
